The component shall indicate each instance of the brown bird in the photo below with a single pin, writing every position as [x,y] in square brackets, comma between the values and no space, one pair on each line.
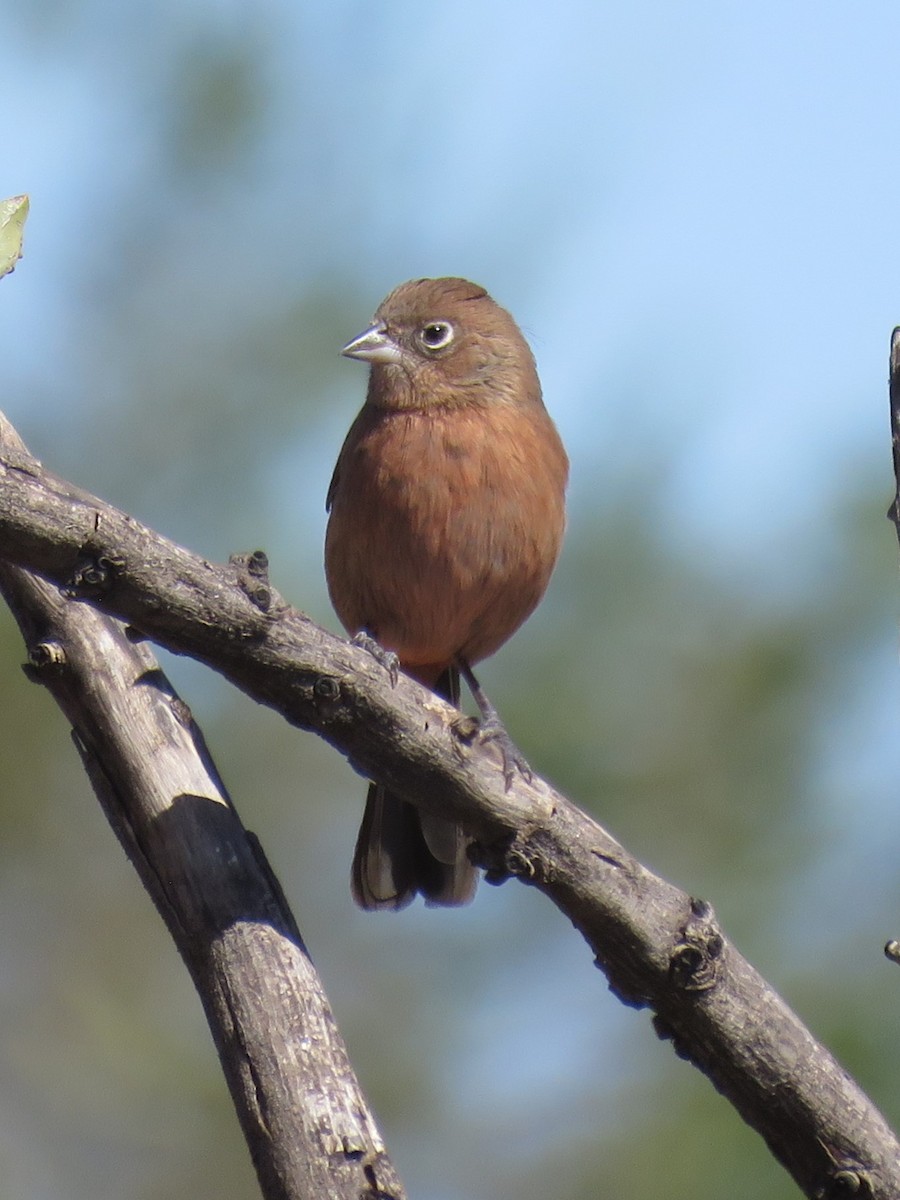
[447,513]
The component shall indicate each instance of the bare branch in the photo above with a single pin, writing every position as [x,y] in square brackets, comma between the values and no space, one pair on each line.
[658,947]
[309,1130]
[894,393]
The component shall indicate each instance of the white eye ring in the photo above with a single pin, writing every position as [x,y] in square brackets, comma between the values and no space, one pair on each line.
[436,335]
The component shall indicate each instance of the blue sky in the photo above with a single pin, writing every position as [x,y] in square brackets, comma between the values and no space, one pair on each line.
[691,209]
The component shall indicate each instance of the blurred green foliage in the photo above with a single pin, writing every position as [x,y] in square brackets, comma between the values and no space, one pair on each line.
[13,213]
[724,733]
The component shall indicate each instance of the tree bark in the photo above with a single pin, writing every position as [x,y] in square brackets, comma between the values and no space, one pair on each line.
[894,400]
[310,1133]
[658,947]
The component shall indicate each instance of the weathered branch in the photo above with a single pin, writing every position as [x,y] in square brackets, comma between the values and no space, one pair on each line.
[657,947]
[310,1133]
[894,396]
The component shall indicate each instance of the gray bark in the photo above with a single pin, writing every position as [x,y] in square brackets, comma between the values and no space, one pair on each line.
[310,1132]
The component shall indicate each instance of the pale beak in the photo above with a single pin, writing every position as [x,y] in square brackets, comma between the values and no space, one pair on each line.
[375,346]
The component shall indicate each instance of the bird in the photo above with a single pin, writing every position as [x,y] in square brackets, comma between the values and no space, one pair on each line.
[446,518]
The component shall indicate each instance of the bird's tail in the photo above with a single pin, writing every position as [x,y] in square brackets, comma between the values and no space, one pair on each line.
[402,850]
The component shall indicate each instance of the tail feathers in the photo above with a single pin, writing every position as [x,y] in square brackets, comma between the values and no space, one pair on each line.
[396,858]
[402,851]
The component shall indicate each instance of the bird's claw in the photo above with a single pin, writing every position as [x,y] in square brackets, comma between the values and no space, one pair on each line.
[385,658]
[514,763]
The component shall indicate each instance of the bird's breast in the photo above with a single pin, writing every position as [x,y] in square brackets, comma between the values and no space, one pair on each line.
[445,526]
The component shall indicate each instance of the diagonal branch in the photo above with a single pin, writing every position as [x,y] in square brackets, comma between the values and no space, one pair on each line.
[658,947]
[310,1132]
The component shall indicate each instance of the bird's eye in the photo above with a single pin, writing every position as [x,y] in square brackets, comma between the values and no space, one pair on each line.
[436,335]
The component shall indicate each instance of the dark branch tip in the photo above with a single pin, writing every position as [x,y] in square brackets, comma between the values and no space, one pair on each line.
[44,658]
[327,697]
[846,1182]
[253,578]
[255,563]
[327,688]
[844,1177]
[695,962]
[261,597]
[93,576]
[46,654]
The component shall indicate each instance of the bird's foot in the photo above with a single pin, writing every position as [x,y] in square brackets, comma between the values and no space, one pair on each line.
[385,658]
[493,730]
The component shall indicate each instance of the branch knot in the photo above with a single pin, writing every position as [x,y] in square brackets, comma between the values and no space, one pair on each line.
[93,576]
[696,959]
[44,658]
[253,577]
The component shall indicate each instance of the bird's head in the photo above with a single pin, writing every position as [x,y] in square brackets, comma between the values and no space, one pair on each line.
[444,342]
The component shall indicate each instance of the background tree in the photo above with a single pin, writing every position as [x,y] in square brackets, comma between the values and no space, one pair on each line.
[694,225]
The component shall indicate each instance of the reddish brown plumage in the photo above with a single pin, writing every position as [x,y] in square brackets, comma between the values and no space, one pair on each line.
[447,514]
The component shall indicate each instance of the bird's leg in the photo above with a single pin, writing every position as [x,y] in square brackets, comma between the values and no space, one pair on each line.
[385,658]
[493,730]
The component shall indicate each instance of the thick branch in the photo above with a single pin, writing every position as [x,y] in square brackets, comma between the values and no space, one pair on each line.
[657,947]
[309,1130]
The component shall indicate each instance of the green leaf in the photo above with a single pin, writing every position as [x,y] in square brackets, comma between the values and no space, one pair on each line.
[12,221]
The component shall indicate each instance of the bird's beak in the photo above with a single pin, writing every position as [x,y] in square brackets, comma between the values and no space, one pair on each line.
[374,346]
